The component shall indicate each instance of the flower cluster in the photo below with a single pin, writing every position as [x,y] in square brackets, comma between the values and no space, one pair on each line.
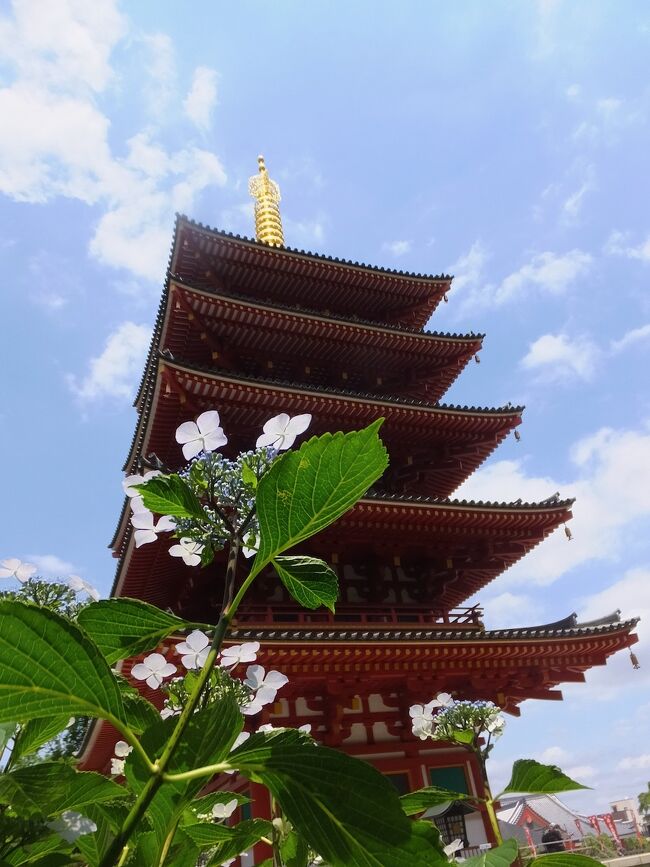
[444,719]
[225,488]
[12,567]
[257,689]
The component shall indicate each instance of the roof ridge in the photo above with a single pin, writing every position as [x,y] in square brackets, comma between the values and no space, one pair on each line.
[352,320]
[490,504]
[322,257]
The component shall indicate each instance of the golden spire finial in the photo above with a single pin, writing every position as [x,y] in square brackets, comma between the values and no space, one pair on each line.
[268,223]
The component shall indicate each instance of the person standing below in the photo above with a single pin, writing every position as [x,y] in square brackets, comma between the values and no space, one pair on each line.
[552,839]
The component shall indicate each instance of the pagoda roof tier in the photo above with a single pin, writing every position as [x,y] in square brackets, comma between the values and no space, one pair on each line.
[213,259]
[434,447]
[506,666]
[327,669]
[450,549]
[245,335]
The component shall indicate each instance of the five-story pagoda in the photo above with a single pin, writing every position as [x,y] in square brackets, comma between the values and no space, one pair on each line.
[254,328]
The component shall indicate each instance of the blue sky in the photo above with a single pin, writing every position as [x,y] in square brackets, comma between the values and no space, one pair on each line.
[506,143]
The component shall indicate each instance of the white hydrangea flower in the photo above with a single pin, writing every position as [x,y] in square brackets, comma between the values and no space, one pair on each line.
[241,738]
[256,678]
[224,811]
[443,699]
[153,670]
[232,656]
[137,479]
[122,749]
[117,767]
[167,711]
[146,530]
[251,546]
[265,687]
[203,435]
[71,825]
[281,431]
[267,727]
[79,585]
[422,719]
[452,848]
[15,568]
[189,550]
[195,649]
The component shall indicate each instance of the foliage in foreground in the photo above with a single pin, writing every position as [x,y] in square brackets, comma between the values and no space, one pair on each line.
[56,663]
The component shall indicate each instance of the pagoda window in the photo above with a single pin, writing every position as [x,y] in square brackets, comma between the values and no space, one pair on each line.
[452,778]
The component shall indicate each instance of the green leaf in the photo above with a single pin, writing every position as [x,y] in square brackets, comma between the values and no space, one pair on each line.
[209,735]
[306,490]
[565,859]
[501,856]
[94,846]
[171,495]
[49,788]
[125,627]
[248,475]
[140,713]
[310,581]
[7,731]
[37,732]
[244,835]
[431,796]
[34,853]
[49,667]
[294,851]
[343,807]
[531,777]
[183,853]
[207,834]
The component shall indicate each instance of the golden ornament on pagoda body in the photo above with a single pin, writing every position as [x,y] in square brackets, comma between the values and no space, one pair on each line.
[268,223]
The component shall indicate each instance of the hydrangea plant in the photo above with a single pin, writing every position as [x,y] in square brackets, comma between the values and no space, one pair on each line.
[154,808]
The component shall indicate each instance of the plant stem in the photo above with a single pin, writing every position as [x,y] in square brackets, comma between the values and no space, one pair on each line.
[158,769]
[276,813]
[168,843]
[489,800]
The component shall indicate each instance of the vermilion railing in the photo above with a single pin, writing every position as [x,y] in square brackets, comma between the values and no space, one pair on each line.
[348,615]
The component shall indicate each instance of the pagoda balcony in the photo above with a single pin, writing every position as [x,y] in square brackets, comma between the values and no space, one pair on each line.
[468,618]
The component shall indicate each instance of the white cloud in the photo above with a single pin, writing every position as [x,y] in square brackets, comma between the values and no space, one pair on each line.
[633,763]
[572,205]
[573,91]
[580,773]
[398,248]
[635,335]
[557,357]
[510,609]
[618,245]
[612,485]
[64,46]
[303,233]
[51,565]
[159,78]
[468,269]
[546,272]
[202,97]
[553,755]
[114,372]
[55,138]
